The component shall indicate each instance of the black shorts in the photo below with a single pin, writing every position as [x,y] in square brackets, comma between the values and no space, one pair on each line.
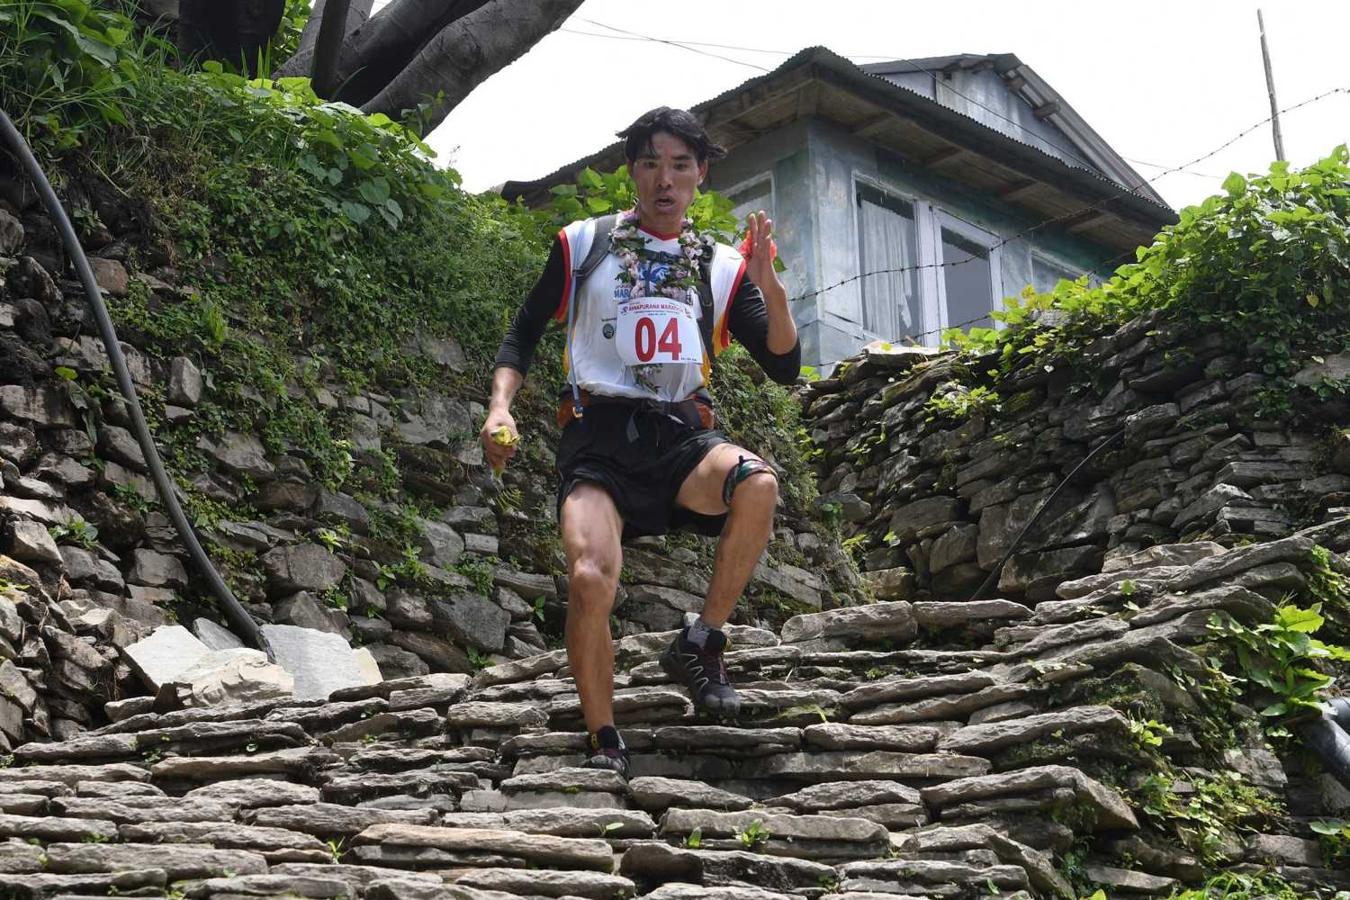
[641,468]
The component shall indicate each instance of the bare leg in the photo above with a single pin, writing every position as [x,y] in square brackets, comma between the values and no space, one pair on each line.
[746,533]
[591,531]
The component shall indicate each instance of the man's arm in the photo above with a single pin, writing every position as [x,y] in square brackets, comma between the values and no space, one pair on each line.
[545,301]
[760,318]
[751,324]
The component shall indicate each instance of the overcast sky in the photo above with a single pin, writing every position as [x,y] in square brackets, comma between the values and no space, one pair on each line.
[1162,82]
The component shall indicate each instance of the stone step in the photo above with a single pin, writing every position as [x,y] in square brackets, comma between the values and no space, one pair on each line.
[544,850]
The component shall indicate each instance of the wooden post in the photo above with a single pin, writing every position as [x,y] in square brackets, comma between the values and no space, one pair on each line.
[1270,86]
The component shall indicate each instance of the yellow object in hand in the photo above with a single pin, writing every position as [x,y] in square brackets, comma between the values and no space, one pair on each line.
[505,436]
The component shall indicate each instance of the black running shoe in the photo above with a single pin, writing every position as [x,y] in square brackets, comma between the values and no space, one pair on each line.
[702,671]
[613,759]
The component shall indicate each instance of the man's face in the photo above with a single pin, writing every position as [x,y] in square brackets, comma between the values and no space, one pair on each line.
[666,176]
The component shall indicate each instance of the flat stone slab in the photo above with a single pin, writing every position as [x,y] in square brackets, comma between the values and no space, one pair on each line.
[578,853]
[548,883]
[144,809]
[910,875]
[1111,811]
[1103,721]
[56,828]
[177,860]
[474,714]
[948,614]
[567,780]
[255,792]
[893,621]
[223,835]
[561,821]
[720,869]
[782,826]
[309,886]
[891,690]
[333,818]
[722,737]
[842,764]
[846,794]
[33,887]
[88,746]
[74,774]
[655,793]
[298,761]
[956,706]
[905,738]
[320,663]
[675,891]
[168,652]
[354,788]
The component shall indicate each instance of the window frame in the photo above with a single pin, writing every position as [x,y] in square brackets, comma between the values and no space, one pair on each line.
[920,211]
[976,235]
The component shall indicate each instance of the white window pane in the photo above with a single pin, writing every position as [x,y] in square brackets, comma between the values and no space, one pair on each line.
[968,280]
[890,283]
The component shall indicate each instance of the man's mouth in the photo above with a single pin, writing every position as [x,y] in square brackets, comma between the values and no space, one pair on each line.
[665,203]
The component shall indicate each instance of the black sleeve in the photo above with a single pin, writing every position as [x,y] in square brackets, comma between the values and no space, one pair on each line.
[749,324]
[544,301]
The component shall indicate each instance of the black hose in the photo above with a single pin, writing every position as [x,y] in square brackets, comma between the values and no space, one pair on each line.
[1045,504]
[239,618]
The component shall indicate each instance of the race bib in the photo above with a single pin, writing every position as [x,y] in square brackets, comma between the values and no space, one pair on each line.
[657,331]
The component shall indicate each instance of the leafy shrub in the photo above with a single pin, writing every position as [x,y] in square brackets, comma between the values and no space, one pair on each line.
[1281,657]
[68,68]
[1265,261]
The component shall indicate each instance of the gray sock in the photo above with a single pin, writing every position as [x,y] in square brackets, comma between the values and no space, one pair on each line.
[698,632]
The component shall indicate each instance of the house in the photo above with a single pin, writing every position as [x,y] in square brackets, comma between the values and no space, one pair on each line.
[912,196]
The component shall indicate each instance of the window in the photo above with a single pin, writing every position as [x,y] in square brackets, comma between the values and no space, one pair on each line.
[751,196]
[967,281]
[922,270]
[889,253]
[1045,273]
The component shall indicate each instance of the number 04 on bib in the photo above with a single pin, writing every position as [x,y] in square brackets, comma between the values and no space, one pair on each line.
[657,331]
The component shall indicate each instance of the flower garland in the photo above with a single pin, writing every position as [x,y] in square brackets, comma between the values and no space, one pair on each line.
[630,246]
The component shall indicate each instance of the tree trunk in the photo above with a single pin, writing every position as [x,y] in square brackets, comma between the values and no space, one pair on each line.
[464,53]
[356,17]
[328,46]
[232,31]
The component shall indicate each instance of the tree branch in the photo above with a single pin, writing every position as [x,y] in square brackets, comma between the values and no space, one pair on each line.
[464,53]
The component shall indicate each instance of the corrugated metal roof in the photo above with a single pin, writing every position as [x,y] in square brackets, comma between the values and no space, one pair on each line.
[930,115]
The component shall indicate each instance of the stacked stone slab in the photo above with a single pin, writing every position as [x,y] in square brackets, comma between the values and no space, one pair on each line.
[936,496]
[80,518]
[868,763]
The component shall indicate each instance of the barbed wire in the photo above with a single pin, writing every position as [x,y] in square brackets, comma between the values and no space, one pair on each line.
[1099,206]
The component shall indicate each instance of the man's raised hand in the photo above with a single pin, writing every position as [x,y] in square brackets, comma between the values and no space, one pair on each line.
[759,242]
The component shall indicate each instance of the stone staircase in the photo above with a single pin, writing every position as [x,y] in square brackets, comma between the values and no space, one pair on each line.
[867,763]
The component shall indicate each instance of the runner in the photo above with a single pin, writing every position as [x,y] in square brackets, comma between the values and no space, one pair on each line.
[639,452]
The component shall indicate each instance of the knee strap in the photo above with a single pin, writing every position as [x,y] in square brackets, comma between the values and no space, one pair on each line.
[744,468]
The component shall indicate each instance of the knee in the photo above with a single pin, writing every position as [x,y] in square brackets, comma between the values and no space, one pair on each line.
[759,491]
[591,585]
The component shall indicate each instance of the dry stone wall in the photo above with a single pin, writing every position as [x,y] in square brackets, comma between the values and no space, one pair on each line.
[934,481]
[439,568]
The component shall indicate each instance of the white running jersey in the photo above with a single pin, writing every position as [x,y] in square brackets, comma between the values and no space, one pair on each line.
[592,348]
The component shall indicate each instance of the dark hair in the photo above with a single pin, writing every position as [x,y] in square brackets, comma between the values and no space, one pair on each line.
[637,138]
